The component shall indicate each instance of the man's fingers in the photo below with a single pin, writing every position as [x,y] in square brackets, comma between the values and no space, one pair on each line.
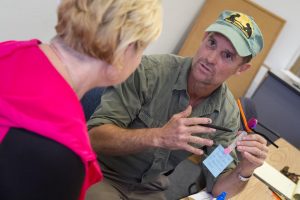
[193,150]
[200,129]
[185,113]
[255,137]
[197,121]
[255,160]
[256,152]
[198,140]
[251,143]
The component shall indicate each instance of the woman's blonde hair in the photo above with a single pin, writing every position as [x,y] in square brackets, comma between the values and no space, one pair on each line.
[104,28]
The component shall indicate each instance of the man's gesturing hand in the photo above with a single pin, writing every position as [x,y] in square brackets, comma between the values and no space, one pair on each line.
[177,133]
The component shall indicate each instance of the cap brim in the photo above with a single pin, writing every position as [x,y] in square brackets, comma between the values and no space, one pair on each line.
[238,42]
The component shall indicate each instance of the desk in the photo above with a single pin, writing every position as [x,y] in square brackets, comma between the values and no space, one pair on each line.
[285,155]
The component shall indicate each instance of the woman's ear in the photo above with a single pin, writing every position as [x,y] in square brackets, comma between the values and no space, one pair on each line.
[131,47]
[242,68]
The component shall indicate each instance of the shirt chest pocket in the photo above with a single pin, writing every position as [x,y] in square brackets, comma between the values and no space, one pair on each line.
[145,120]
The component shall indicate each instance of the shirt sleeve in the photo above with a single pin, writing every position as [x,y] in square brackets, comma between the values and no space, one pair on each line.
[230,117]
[120,104]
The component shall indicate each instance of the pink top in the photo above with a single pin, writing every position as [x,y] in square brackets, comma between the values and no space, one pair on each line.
[35,97]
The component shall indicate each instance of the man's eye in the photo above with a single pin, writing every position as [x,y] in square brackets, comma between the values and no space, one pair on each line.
[227,56]
[211,43]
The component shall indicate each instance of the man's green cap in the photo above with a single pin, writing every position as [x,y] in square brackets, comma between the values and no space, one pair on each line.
[241,30]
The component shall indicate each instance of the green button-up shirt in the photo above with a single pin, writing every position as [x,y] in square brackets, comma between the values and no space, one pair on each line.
[148,99]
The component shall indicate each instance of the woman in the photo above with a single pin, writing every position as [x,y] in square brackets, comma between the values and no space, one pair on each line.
[44,147]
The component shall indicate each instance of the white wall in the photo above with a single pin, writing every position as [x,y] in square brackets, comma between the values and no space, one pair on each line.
[287,46]
[288,41]
[36,19]
[27,19]
[179,16]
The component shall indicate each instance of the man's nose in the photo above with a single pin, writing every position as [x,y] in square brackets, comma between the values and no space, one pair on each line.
[212,56]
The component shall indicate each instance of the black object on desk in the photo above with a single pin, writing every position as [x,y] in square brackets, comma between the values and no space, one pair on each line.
[249,118]
[277,102]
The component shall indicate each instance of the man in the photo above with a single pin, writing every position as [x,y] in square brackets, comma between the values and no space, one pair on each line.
[145,127]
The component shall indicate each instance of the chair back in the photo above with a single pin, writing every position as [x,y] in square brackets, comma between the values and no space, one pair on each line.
[91,100]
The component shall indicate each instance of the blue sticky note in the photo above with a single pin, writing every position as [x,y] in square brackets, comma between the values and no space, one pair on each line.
[217,161]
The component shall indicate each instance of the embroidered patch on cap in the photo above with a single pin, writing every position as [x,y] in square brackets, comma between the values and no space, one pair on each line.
[242,22]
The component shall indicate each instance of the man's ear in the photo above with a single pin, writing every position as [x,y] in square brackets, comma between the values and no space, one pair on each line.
[242,68]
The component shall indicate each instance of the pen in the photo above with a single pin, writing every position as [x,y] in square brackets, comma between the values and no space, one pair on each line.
[222,196]
[268,139]
[252,124]
[216,127]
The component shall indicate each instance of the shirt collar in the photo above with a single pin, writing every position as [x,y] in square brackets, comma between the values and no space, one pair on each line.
[181,82]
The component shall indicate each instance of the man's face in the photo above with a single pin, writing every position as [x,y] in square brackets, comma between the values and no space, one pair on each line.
[215,61]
